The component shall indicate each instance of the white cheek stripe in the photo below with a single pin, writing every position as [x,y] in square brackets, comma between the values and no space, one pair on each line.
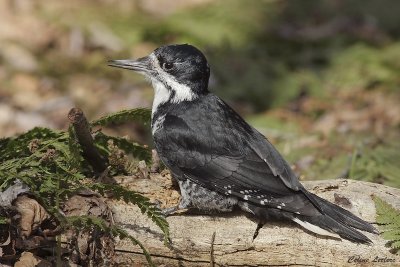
[162,93]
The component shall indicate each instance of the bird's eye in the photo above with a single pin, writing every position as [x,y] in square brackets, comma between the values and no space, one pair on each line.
[167,65]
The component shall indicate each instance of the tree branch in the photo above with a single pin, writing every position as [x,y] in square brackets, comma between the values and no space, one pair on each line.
[85,139]
[278,243]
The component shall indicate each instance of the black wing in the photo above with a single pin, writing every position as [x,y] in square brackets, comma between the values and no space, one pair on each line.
[212,145]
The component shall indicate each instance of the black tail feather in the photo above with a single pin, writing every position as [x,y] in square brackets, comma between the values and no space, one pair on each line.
[331,225]
[331,218]
[340,221]
[343,216]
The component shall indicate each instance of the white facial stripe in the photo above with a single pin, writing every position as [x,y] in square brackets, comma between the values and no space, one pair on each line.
[162,93]
[182,92]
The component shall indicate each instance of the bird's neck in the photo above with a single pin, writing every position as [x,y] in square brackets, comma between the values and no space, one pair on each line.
[170,92]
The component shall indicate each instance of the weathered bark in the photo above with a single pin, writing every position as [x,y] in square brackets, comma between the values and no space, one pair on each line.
[85,139]
[278,243]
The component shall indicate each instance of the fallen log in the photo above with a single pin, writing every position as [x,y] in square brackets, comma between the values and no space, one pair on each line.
[226,239]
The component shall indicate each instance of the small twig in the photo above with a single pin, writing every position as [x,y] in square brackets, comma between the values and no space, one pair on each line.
[104,178]
[212,250]
[85,139]
[143,170]
[155,159]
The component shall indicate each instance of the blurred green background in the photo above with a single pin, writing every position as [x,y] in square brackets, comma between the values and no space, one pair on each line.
[321,79]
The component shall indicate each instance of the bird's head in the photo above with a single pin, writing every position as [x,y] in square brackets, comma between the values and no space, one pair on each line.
[177,72]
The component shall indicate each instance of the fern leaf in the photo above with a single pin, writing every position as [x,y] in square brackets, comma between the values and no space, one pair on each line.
[14,169]
[395,244]
[3,220]
[18,147]
[73,173]
[88,222]
[138,114]
[391,234]
[4,143]
[75,151]
[388,219]
[134,149]
[50,164]
[142,202]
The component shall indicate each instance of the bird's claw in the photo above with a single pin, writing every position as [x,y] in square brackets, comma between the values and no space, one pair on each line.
[169,211]
[259,226]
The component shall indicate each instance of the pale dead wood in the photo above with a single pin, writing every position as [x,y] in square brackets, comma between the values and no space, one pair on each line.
[278,243]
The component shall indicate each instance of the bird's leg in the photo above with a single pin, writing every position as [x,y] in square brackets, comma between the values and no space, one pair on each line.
[169,211]
[259,226]
[173,210]
[183,205]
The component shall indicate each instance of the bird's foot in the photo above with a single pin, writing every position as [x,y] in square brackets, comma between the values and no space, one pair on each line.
[169,211]
[173,210]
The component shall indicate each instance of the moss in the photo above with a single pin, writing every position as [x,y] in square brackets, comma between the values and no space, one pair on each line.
[364,67]
[232,22]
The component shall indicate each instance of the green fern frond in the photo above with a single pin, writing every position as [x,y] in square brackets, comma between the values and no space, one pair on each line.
[50,163]
[88,222]
[4,143]
[138,114]
[136,150]
[388,219]
[119,192]
[7,179]
[75,151]
[18,146]
[13,169]
[3,220]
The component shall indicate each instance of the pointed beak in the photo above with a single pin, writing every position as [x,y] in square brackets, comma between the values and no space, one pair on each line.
[143,64]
